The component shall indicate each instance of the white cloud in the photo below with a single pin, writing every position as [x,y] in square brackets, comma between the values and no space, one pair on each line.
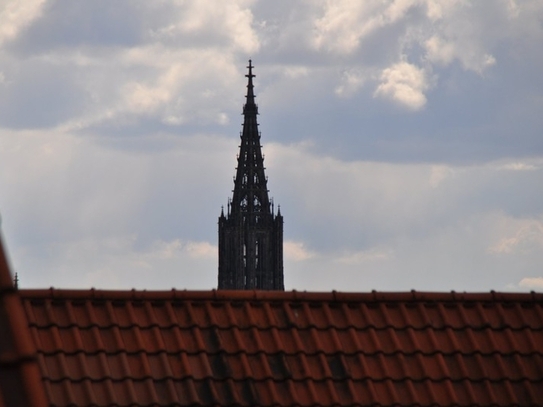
[202,250]
[337,29]
[404,83]
[439,173]
[296,251]
[232,20]
[345,23]
[161,249]
[145,99]
[160,90]
[294,72]
[527,237]
[439,51]
[365,256]
[469,32]
[117,262]
[533,283]
[15,15]
[182,48]
[437,9]
[351,82]
[444,53]
[507,165]
[447,31]
[520,167]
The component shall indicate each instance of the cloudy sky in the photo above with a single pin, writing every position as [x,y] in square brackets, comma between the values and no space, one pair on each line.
[403,140]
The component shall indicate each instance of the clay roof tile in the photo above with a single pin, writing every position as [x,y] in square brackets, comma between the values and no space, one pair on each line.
[287,348]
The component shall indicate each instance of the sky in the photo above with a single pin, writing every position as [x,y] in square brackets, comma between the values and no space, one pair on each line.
[403,140]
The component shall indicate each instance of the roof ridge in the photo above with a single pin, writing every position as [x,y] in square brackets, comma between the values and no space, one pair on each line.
[210,377]
[300,326]
[294,295]
[288,353]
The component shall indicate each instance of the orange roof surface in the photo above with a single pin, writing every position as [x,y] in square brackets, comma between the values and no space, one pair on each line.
[20,379]
[246,348]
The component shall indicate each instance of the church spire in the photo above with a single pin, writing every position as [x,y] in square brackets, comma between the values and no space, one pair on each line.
[250,186]
[250,98]
[250,235]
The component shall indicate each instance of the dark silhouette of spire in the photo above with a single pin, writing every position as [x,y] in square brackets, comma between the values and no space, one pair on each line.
[250,234]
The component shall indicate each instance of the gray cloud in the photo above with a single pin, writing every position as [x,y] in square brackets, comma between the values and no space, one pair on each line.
[66,24]
[403,140]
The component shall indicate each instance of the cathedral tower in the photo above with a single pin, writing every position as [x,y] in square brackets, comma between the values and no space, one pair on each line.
[250,234]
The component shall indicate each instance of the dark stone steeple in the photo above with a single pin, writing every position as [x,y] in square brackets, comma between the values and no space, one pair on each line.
[250,234]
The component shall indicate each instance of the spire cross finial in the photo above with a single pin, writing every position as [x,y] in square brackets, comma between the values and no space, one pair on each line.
[250,106]
[250,75]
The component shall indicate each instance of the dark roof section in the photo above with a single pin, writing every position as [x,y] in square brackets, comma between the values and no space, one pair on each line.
[20,379]
[245,348]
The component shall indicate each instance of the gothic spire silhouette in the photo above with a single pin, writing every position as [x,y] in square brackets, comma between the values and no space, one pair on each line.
[250,234]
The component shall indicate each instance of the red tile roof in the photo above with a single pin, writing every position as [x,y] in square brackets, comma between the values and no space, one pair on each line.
[245,348]
[20,379]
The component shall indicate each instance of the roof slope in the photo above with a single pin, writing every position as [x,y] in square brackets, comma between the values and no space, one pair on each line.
[270,348]
[20,380]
